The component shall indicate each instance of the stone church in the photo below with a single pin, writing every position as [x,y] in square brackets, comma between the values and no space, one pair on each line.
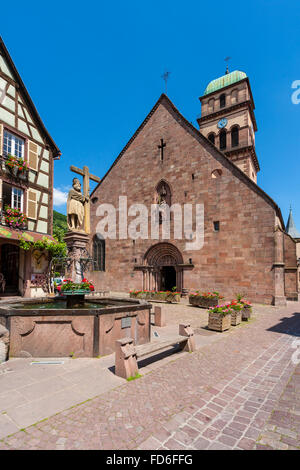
[246,248]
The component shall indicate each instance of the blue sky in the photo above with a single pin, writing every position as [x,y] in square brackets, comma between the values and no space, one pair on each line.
[94,68]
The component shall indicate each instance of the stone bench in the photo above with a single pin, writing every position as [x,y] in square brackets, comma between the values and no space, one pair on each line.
[127,354]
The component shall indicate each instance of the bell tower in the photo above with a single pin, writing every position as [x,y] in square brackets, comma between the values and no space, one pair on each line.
[228,121]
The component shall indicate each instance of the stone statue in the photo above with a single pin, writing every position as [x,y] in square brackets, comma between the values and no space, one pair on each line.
[75,206]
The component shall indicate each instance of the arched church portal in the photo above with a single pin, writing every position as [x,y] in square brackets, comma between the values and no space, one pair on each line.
[163,268]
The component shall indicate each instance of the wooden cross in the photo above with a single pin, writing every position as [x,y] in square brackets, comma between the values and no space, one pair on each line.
[86,188]
[161,147]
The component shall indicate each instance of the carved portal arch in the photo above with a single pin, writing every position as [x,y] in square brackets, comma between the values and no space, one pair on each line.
[163,254]
[163,267]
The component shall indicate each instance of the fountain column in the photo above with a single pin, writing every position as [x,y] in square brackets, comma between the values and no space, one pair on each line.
[77,243]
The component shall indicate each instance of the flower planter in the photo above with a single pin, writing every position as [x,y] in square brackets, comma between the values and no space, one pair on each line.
[172,298]
[169,297]
[236,317]
[133,295]
[219,322]
[203,302]
[246,313]
[141,295]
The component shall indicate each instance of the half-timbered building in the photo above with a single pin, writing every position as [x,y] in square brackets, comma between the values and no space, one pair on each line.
[27,152]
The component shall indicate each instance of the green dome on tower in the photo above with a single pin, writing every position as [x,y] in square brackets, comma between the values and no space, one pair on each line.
[225,80]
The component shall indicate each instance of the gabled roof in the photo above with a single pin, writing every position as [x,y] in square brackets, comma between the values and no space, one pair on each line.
[291,227]
[165,101]
[29,102]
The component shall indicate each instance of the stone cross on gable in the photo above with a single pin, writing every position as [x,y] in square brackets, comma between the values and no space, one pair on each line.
[86,188]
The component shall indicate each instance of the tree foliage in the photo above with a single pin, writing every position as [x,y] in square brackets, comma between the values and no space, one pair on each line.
[60,226]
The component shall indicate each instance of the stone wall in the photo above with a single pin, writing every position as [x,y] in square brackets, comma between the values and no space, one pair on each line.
[291,270]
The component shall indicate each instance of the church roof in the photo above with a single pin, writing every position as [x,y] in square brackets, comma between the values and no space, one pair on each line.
[165,101]
[26,96]
[291,227]
[225,80]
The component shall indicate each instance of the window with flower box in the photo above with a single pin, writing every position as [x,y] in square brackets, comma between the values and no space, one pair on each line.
[13,145]
[12,197]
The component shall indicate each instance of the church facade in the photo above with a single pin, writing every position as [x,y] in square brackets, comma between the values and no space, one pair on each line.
[168,160]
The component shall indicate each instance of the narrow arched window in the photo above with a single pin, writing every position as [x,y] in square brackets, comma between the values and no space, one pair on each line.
[211,137]
[211,105]
[99,253]
[223,137]
[223,101]
[235,136]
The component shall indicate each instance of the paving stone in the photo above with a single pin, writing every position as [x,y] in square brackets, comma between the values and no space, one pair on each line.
[193,400]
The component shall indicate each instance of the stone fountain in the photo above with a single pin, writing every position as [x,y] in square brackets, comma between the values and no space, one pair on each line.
[73,324]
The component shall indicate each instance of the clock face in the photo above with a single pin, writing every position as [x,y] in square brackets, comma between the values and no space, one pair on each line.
[222,123]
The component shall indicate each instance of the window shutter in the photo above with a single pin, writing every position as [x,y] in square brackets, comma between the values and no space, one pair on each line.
[32,155]
[1,139]
[31,204]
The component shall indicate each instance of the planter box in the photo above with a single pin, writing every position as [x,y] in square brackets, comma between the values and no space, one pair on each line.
[133,295]
[236,317]
[246,313]
[172,298]
[219,322]
[203,302]
[141,295]
[159,296]
[162,296]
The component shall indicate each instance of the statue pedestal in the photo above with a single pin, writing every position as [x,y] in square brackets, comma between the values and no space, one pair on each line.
[77,243]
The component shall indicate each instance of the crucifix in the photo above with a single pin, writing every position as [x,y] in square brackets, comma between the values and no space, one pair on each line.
[86,188]
[165,77]
[161,147]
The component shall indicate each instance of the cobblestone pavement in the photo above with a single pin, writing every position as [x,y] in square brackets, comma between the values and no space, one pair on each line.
[240,392]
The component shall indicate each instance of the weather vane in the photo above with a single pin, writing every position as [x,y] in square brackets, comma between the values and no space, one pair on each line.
[165,77]
[227,60]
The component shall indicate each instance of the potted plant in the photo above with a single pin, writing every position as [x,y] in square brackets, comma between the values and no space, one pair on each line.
[219,317]
[133,294]
[246,307]
[205,299]
[14,218]
[236,314]
[172,296]
[68,286]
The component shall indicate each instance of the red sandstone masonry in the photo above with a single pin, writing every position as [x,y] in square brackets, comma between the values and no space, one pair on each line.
[238,258]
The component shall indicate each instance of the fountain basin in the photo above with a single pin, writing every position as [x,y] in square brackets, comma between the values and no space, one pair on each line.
[47,328]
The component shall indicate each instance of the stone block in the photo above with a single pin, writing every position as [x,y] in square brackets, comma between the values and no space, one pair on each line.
[159,316]
[125,358]
[186,330]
